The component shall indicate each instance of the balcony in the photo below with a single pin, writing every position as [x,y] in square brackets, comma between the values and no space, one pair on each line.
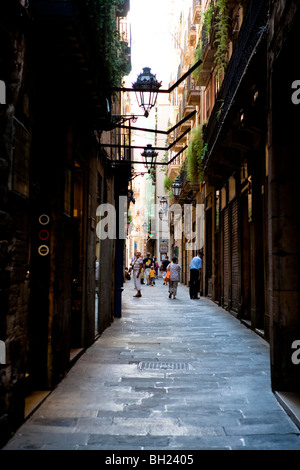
[196,18]
[208,56]
[185,125]
[192,35]
[226,134]
[182,69]
[193,92]
[123,9]
[178,146]
[173,170]
[185,106]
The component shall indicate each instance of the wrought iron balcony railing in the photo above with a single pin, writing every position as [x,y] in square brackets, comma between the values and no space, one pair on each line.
[252,30]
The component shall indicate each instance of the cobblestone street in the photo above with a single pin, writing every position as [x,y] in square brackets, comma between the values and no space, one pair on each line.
[171,374]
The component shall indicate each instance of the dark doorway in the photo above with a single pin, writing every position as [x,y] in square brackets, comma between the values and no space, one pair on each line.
[77,258]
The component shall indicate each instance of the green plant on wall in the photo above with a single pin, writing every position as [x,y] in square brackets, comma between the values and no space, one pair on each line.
[207,19]
[194,156]
[221,41]
[217,12]
[109,45]
[168,185]
[198,54]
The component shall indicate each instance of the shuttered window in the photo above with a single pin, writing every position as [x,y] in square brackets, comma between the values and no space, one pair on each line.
[226,256]
[234,256]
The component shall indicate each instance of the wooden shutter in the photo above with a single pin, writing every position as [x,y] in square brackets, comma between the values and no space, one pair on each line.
[234,257]
[226,257]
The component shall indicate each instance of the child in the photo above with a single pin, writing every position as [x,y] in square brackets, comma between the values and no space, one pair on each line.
[152,276]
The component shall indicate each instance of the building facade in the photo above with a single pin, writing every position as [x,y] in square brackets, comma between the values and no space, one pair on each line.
[63,158]
[186,109]
[54,175]
[247,114]
[252,245]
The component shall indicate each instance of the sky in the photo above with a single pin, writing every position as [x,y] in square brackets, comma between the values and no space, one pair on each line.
[151,38]
[150,47]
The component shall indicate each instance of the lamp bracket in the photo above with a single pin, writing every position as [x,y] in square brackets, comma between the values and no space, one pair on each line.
[142,173]
[172,87]
[118,119]
[187,200]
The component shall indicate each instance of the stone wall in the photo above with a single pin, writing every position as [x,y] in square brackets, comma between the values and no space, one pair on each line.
[283,209]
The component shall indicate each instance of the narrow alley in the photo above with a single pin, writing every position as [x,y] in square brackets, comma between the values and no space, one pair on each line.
[171,374]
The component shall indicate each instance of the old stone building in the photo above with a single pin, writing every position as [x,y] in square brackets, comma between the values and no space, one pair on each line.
[246,97]
[235,171]
[283,203]
[252,241]
[61,157]
[56,66]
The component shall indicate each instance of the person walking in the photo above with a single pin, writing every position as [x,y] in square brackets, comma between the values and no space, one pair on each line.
[152,275]
[137,265]
[155,264]
[165,263]
[147,265]
[195,273]
[174,268]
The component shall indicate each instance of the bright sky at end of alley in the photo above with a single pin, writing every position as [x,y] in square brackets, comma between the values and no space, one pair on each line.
[151,38]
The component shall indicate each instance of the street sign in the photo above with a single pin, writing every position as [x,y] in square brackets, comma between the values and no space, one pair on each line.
[44,235]
[43,250]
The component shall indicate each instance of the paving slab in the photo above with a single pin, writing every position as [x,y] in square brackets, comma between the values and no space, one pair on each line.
[171,374]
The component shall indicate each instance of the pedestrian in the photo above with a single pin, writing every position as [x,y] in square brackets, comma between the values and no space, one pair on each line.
[164,266]
[195,274]
[174,268]
[137,266]
[127,275]
[155,264]
[152,276]
[147,262]
[97,278]
[131,262]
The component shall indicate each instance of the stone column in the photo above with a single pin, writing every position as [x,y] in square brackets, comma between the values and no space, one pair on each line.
[283,205]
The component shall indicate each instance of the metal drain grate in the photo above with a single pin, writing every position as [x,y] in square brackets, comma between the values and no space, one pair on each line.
[164,366]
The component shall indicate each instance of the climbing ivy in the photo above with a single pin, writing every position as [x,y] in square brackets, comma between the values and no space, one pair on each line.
[207,19]
[109,47]
[217,14]
[221,41]
[194,156]
[198,54]
[168,183]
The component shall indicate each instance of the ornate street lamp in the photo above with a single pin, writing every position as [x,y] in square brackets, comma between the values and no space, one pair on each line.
[146,88]
[177,187]
[163,201]
[149,156]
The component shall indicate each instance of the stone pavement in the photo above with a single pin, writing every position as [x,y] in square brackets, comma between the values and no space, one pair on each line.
[171,374]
